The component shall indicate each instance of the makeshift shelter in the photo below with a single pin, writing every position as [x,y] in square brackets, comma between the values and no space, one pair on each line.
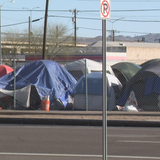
[84,66]
[124,71]
[146,87]
[148,62]
[93,98]
[42,78]
[4,69]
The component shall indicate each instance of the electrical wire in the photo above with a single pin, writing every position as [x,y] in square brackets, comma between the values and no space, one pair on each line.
[21,22]
[134,10]
[100,19]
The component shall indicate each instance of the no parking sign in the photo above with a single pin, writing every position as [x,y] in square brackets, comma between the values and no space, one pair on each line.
[105,9]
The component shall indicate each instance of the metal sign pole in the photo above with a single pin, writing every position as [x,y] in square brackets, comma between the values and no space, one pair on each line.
[104,90]
[104,15]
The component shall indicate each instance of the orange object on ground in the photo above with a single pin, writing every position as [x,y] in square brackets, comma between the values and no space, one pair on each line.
[45,105]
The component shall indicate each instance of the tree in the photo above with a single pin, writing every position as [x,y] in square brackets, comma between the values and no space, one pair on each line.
[57,40]
[16,42]
[60,40]
[12,43]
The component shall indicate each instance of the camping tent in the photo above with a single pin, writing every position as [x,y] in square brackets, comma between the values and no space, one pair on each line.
[47,77]
[146,86]
[4,69]
[124,71]
[148,62]
[94,92]
[79,67]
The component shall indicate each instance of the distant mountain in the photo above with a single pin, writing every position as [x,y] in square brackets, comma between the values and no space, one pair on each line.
[150,38]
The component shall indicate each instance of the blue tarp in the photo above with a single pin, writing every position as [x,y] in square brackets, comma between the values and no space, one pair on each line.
[49,78]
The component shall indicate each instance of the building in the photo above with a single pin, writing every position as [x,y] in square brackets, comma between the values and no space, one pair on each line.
[137,52]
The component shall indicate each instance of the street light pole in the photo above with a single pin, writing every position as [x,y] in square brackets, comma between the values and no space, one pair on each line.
[30,16]
[112,25]
[30,25]
[0,30]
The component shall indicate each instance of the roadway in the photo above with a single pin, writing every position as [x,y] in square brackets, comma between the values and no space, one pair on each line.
[77,142]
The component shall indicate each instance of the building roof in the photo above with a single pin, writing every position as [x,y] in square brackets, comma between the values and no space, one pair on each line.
[127,44]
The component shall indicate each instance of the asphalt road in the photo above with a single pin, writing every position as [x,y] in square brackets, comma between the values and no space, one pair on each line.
[50,142]
[38,142]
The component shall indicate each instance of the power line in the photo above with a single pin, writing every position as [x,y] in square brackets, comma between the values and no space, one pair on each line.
[139,20]
[147,21]
[37,10]
[116,31]
[129,20]
[21,23]
[135,10]
[14,24]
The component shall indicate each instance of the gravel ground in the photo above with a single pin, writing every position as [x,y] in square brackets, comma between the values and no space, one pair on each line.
[95,115]
[128,117]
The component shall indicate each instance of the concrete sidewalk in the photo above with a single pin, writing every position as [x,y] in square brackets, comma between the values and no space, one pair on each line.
[88,118]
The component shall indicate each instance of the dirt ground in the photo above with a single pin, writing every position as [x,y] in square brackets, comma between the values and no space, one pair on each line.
[129,117]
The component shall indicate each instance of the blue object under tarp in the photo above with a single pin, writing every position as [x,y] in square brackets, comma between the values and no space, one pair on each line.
[49,78]
[152,85]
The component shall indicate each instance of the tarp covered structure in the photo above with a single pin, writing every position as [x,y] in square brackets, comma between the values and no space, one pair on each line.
[146,86]
[4,69]
[48,77]
[79,67]
[94,92]
[124,71]
[148,62]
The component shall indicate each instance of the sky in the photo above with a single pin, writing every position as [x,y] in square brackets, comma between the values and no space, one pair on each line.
[127,17]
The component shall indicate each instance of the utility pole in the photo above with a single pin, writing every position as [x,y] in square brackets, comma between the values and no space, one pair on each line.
[29,34]
[74,20]
[45,30]
[75,27]
[113,21]
[57,36]
[113,34]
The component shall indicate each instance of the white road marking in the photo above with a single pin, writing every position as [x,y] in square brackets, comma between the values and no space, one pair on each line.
[78,155]
[125,135]
[133,157]
[47,154]
[128,141]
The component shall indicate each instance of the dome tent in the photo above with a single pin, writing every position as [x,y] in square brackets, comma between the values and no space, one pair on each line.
[48,77]
[4,69]
[79,67]
[146,86]
[124,71]
[95,91]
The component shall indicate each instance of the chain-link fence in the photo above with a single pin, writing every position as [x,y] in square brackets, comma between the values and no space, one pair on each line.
[131,86]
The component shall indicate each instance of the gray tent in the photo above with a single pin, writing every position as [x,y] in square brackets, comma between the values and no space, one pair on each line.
[84,66]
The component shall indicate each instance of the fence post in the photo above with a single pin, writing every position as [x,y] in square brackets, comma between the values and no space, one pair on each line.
[86,85]
[14,83]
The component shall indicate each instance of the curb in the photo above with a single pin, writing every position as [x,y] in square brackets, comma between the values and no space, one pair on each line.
[10,117]
[45,121]
[79,122]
